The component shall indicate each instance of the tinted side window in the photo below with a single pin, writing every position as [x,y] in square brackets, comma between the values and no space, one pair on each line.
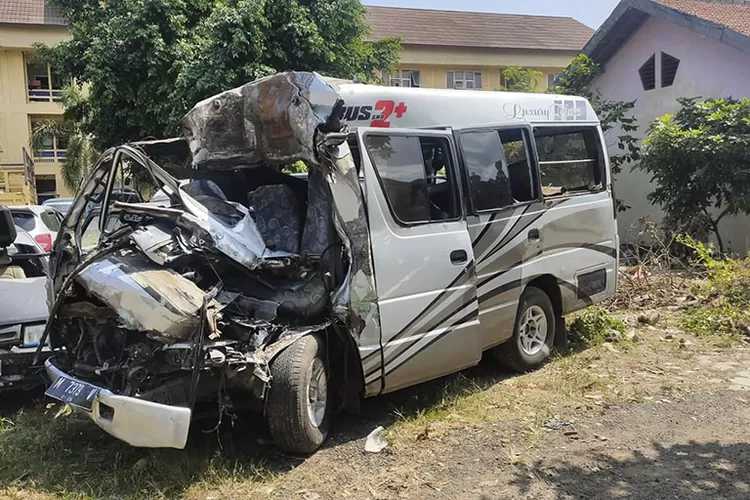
[416,176]
[51,221]
[569,159]
[498,168]
[489,182]
[24,220]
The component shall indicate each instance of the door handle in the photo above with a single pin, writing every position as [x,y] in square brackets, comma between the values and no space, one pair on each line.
[534,235]
[459,257]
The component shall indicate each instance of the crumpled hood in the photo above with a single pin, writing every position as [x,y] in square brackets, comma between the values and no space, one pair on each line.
[273,120]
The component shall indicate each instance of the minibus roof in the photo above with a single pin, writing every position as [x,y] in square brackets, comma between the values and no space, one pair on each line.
[403,107]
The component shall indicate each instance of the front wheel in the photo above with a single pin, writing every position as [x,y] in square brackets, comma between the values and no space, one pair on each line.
[533,335]
[298,408]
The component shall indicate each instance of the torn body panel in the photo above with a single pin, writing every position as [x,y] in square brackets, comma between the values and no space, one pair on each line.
[147,297]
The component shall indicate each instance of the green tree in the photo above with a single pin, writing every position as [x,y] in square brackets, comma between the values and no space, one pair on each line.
[518,79]
[699,159]
[576,79]
[148,61]
[80,154]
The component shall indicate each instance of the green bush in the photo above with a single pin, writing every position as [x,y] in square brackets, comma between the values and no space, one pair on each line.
[725,296]
[594,324]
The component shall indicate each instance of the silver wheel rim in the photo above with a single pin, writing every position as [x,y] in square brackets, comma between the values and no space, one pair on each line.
[317,393]
[532,330]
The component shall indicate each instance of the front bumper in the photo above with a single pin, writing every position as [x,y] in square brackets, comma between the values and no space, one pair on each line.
[137,422]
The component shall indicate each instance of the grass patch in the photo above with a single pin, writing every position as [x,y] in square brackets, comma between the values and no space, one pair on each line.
[67,456]
[594,325]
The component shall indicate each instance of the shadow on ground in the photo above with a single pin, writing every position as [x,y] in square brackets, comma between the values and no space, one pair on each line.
[45,449]
[686,471]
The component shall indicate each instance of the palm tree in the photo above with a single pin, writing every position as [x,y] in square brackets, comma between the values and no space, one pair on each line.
[80,153]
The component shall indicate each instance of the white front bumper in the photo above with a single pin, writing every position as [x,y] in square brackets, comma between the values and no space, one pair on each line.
[137,422]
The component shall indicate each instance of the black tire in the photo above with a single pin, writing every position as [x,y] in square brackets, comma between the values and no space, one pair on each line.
[289,420]
[512,354]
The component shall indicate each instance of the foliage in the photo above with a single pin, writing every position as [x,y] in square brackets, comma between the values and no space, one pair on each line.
[725,295]
[80,153]
[576,79]
[148,61]
[298,167]
[594,324]
[518,79]
[699,159]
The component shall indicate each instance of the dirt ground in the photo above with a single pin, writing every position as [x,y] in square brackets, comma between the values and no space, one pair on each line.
[664,415]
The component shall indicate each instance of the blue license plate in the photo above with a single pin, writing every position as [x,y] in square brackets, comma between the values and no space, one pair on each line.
[73,392]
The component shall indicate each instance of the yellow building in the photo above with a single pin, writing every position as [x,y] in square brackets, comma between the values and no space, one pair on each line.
[470,50]
[441,49]
[29,91]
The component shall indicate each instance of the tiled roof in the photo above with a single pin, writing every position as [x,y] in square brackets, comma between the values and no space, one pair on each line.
[732,14]
[30,12]
[477,29]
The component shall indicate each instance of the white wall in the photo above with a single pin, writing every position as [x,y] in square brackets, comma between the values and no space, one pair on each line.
[707,68]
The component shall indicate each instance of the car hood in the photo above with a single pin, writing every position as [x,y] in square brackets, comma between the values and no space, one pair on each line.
[23,301]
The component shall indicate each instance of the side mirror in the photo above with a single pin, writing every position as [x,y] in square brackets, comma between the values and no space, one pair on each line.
[7,227]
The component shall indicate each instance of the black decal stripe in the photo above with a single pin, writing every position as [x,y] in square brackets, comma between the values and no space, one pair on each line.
[514,233]
[518,218]
[435,324]
[450,330]
[484,230]
[465,274]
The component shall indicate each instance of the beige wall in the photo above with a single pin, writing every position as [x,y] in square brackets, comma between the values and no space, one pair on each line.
[433,62]
[15,108]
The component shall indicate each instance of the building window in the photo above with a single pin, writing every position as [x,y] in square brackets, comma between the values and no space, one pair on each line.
[552,78]
[46,187]
[43,84]
[569,160]
[648,73]
[469,80]
[669,65]
[404,78]
[50,147]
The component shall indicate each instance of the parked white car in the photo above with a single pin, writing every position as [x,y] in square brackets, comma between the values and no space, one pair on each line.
[23,306]
[41,222]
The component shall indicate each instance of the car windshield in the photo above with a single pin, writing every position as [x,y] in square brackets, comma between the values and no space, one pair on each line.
[24,220]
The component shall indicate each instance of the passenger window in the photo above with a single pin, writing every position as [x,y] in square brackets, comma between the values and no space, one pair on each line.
[569,159]
[416,176]
[51,221]
[498,168]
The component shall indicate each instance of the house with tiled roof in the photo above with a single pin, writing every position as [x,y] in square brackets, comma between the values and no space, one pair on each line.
[654,51]
[29,91]
[469,50]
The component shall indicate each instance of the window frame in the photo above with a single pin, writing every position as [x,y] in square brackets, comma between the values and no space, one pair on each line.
[464,80]
[398,75]
[556,75]
[52,94]
[603,164]
[534,171]
[452,170]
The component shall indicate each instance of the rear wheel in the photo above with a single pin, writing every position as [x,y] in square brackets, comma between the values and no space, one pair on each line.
[533,335]
[298,409]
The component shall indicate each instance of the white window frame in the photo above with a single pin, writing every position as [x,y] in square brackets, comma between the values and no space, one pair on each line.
[464,80]
[404,78]
[552,77]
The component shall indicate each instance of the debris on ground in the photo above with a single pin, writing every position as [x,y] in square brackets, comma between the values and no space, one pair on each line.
[375,442]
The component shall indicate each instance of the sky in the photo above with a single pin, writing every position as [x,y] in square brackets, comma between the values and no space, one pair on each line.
[590,12]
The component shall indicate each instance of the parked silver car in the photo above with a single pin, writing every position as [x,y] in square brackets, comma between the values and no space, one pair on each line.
[23,305]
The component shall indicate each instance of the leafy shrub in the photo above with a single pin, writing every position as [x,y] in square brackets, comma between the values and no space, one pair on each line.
[725,295]
[594,324]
